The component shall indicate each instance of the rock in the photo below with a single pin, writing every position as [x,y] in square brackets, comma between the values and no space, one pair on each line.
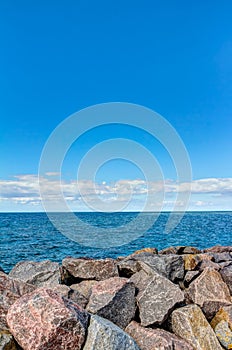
[10,291]
[209,292]
[226,273]
[104,335]
[221,257]
[158,339]
[189,323]
[157,297]
[85,269]
[191,261]
[127,268]
[7,341]
[218,249]
[169,266]
[71,294]
[224,334]
[113,299]
[43,273]
[190,276]
[84,287]
[208,263]
[224,314]
[44,320]
[146,250]
[180,250]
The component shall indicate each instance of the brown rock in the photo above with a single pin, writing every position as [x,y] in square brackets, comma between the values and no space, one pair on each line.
[158,339]
[218,249]
[10,291]
[146,250]
[168,250]
[208,263]
[226,273]
[221,257]
[190,324]
[45,320]
[209,292]
[180,250]
[190,276]
[90,269]
[84,287]
[43,273]
[157,297]
[224,314]
[113,299]
[191,261]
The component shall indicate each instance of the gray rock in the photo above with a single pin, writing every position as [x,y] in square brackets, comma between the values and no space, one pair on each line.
[190,276]
[127,267]
[7,341]
[71,294]
[113,299]
[43,273]
[104,335]
[170,266]
[221,257]
[157,297]
[224,334]
[190,324]
[85,269]
[226,273]
[209,292]
[84,287]
[218,249]
[158,339]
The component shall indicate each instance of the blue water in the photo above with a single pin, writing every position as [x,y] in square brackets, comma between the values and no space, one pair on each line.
[31,236]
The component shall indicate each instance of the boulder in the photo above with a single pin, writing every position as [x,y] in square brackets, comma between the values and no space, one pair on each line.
[105,335]
[224,314]
[209,291]
[224,334]
[71,294]
[10,291]
[226,273]
[84,287]
[190,276]
[146,250]
[180,250]
[191,261]
[218,249]
[221,257]
[45,320]
[127,267]
[169,266]
[157,297]
[189,323]
[7,341]
[113,299]
[43,273]
[158,339]
[85,269]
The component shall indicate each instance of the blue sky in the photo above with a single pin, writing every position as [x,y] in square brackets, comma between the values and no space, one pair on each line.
[174,57]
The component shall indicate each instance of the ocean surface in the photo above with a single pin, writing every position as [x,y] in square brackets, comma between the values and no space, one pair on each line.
[31,236]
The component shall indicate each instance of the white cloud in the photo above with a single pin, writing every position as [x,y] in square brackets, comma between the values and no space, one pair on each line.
[24,190]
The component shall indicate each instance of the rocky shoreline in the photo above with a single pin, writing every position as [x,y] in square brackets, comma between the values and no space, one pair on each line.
[178,298]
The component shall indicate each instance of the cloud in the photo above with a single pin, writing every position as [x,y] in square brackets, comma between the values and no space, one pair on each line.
[24,189]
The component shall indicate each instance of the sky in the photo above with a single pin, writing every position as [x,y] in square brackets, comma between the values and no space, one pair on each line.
[173,57]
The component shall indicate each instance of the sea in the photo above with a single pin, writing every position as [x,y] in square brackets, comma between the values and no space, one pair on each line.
[32,236]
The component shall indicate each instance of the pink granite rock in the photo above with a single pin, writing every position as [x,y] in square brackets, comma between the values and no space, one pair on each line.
[113,299]
[158,339]
[209,291]
[85,269]
[10,291]
[44,320]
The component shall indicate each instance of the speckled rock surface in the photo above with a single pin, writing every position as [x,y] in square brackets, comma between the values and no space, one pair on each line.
[209,292]
[43,273]
[191,261]
[71,294]
[190,324]
[224,314]
[90,268]
[104,335]
[158,339]
[226,273]
[224,334]
[156,298]
[84,287]
[10,291]
[44,320]
[113,299]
